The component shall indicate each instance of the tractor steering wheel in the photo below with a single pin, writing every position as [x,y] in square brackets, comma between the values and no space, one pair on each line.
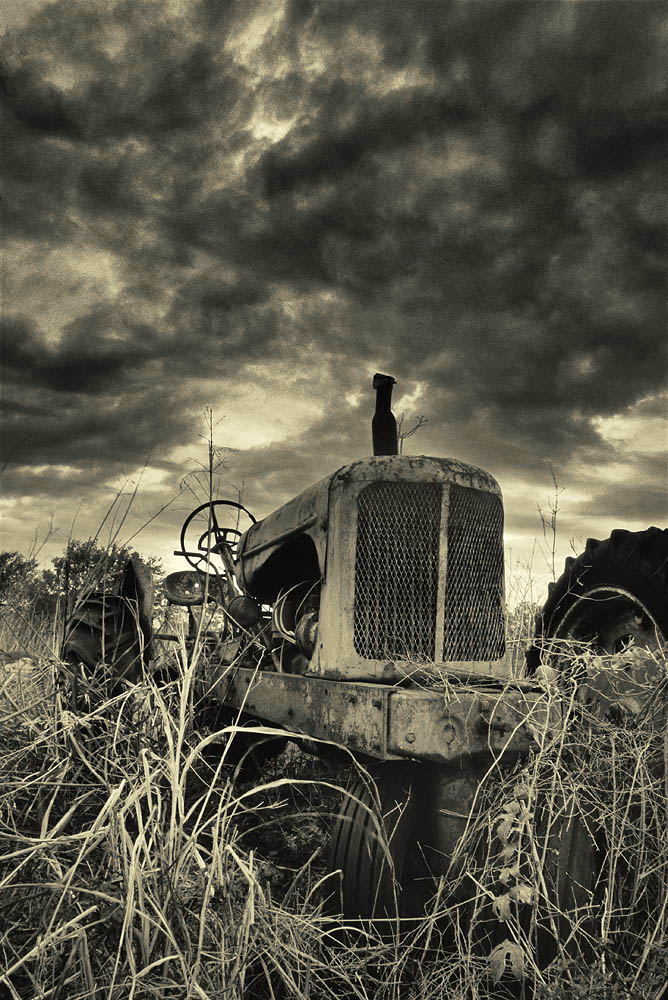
[204,532]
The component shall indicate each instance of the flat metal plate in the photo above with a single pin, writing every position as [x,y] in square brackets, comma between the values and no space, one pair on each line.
[353,715]
[461,721]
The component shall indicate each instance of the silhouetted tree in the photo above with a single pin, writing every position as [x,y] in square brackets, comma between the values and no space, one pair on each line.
[83,568]
[17,576]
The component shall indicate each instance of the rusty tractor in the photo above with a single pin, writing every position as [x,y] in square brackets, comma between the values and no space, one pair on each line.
[366,616]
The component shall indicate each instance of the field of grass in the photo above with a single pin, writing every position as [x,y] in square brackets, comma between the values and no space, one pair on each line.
[135,864]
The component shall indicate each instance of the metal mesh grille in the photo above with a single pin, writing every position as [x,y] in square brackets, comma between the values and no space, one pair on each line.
[396,570]
[474,626]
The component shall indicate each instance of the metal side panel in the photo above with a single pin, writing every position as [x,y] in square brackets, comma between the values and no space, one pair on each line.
[442,725]
[306,514]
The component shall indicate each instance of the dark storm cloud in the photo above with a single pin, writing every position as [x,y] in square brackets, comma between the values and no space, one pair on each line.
[86,360]
[37,184]
[108,186]
[100,437]
[153,85]
[222,315]
[468,195]
[41,108]
[642,501]
[630,504]
[126,128]
[640,483]
[387,123]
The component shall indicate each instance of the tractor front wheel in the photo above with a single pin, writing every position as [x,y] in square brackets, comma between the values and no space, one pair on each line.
[394,837]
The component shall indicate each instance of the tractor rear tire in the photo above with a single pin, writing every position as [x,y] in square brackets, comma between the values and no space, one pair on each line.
[614,594]
[616,591]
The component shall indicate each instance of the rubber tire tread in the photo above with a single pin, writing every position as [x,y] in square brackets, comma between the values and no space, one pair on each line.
[367,884]
[637,561]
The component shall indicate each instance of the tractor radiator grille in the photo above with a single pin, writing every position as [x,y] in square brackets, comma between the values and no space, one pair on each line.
[474,625]
[396,570]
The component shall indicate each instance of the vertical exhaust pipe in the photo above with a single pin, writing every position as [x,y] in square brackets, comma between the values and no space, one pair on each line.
[383,425]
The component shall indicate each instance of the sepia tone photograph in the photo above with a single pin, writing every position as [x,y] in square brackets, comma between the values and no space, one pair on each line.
[334,500]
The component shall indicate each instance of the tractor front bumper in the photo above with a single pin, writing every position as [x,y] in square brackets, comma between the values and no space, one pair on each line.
[443,724]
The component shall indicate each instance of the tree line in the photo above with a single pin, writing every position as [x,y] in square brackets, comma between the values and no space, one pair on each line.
[84,566]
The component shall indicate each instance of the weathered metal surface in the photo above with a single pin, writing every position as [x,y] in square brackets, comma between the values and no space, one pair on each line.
[464,721]
[328,514]
[451,794]
[185,588]
[415,468]
[443,725]
[305,514]
[308,512]
[353,715]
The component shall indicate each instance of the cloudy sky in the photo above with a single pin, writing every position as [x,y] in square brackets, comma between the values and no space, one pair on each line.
[252,206]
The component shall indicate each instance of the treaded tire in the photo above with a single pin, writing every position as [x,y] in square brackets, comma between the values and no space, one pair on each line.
[633,562]
[382,871]
[616,590]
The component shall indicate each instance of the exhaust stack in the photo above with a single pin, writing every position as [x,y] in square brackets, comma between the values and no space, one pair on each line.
[383,425]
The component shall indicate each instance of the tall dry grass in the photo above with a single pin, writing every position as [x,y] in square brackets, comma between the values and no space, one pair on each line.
[134,863]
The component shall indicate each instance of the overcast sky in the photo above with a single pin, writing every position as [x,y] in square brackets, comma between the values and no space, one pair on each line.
[252,206]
